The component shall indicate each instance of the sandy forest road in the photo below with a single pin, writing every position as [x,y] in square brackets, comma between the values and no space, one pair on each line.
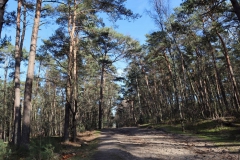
[141,144]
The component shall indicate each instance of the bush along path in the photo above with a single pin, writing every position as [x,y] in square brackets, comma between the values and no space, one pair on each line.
[144,143]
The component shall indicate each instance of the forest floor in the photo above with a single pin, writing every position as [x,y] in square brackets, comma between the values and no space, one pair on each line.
[203,140]
[145,143]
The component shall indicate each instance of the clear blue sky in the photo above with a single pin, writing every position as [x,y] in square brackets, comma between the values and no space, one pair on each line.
[137,29]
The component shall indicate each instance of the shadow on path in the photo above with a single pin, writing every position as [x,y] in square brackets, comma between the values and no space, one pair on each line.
[110,149]
[117,154]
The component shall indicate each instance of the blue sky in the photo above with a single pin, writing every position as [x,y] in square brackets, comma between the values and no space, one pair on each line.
[137,29]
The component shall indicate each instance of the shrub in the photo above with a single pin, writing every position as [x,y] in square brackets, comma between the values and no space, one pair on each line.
[5,151]
[39,151]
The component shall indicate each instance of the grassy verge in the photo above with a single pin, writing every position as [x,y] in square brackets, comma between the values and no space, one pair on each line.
[220,132]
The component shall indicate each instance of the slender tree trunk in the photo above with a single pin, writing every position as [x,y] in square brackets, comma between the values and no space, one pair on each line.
[17,131]
[67,107]
[195,94]
[29,78]
[219,84]
[182,84]
[231,74]
[138,94]
[69,88]
[2,10]
[54,122]
[151,97]
[175,89]
[4,122]
[158,99]
[75,92]
[101,97]
[177,93]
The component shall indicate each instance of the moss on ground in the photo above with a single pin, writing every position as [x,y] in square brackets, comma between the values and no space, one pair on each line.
[219,131]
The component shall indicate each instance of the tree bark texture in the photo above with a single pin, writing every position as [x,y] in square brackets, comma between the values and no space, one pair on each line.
[101,98]
[17,130]
[2,10]
[29,78]
[231,74]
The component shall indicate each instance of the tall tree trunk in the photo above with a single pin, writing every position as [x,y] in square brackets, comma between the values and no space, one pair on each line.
[101,97]
[69,88]
[175,89]
[157,98]
[231,74]
[29,78]
[4,122]
[2,10]
[151,97]
[53,112]
[75,91]
[17,130]
[138,95]
[219,84]
[67,113]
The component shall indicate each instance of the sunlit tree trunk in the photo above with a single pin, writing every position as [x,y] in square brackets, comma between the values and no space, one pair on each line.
[219,84]
[29,79]
[70,104]
[75,91]
[4,122]
[138,95]
[175,89]
[231,74]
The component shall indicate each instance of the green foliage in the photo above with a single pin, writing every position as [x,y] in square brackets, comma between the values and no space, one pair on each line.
[219,131]
[38,151]
[5,151]
[43,148]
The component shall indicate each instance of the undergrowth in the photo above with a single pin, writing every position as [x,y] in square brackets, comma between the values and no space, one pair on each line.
[5,151]
[218,131]
[49,148]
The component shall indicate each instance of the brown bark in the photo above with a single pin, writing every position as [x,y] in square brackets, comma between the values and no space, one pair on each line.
[2,10]
[101,97]
[17,126]
[66,120]
[157,98]
[75,87]
[29,78]
[69,88]
[151,97]
[231,74]
[219,84]
[139,97]
[72,68]
[4,122]
[175,89]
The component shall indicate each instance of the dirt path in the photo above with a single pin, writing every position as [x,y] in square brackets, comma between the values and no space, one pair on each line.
[141,144]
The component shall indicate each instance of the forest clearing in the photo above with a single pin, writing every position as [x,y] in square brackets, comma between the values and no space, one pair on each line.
[75,86]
